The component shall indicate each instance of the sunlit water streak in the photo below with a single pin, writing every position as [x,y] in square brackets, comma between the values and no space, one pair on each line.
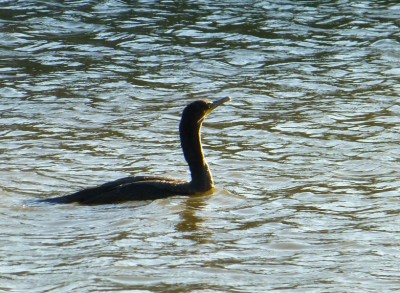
[305,157]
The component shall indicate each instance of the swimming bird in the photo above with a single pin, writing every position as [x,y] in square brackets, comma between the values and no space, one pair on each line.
[155,187]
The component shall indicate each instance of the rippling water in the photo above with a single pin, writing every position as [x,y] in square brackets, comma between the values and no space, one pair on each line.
[305,157]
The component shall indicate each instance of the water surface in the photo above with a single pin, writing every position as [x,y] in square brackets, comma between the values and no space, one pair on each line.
[305,157]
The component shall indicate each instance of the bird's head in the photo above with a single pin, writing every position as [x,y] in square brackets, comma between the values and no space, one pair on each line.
[197,111]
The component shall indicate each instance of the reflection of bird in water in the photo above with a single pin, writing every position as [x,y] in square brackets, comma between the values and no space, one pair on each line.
[151,187]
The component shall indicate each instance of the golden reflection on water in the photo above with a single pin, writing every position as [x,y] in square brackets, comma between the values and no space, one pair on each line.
[191,225]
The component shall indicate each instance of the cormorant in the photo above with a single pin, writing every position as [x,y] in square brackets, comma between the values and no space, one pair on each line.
[154,187]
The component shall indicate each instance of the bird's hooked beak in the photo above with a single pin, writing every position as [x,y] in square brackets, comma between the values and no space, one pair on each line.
[214,105]
[219,103]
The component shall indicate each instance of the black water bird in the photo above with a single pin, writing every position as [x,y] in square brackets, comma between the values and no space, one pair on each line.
[153,187]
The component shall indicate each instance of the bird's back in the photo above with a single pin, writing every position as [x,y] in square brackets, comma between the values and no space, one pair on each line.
[126,189]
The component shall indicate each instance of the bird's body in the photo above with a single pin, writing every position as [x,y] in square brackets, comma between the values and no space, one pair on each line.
[154,187]
[126,189]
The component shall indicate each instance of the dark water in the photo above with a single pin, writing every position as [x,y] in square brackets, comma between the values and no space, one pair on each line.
[305,157]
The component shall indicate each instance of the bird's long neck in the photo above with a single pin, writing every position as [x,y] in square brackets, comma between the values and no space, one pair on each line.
[192,149]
